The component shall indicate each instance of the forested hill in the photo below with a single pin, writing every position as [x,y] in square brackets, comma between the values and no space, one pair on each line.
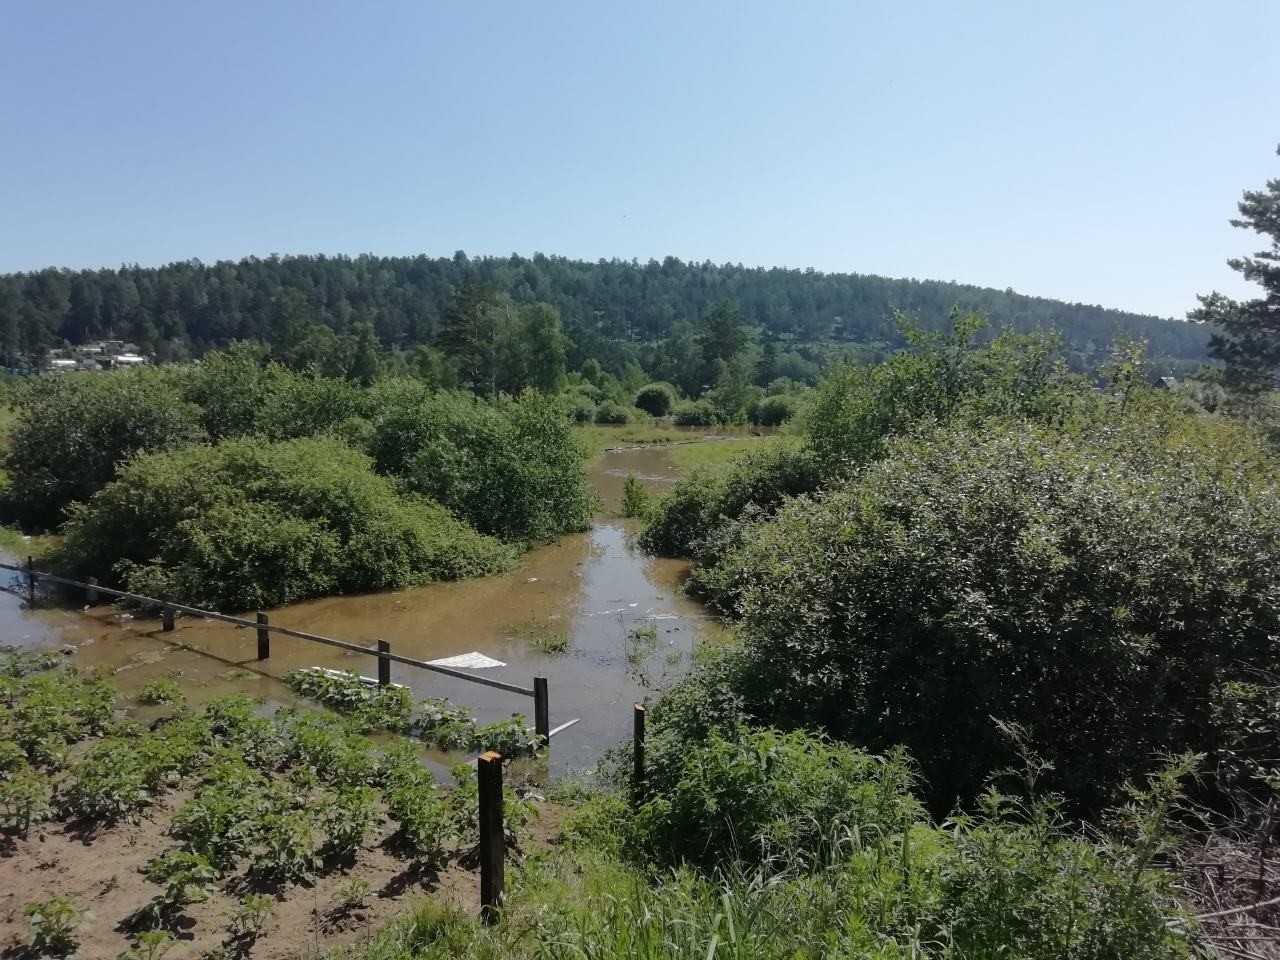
[187,307]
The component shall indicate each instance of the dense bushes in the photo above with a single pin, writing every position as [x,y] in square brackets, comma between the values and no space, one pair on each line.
[856,410]
[72,433]
[695,413]
[704,504]
[250,523]
[1096,590]
[751,795]
[773,411]
[512,469]
[656,399]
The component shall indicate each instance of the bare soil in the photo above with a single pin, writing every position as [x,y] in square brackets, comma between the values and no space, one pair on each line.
[103,868]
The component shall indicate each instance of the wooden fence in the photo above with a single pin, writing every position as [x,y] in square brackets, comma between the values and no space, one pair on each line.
[382,652]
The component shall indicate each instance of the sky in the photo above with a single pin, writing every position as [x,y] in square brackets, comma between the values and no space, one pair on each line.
[1091,151]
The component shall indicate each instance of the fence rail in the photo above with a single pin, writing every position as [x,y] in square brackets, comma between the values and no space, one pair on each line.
[382,653]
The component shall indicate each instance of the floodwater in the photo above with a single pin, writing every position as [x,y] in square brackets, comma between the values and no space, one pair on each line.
[594,588]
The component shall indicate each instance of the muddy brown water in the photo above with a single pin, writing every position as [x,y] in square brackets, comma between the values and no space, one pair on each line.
[595,588]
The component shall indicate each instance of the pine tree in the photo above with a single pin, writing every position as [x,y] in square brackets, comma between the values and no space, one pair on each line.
[1248,337]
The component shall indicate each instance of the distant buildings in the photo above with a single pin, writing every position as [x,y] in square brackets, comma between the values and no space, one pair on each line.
[102,355]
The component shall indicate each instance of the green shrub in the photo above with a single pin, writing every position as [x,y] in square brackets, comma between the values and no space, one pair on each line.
[656,399]
[705,501]
[512,469]
[636,501]
[695,413]
[614,413]
[758,794]
[72,435]
[855,410]
[1095,590]
[249,524]
[774,411]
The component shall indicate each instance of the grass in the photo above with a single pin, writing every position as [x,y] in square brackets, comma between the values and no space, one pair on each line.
[717,452]
[597,439]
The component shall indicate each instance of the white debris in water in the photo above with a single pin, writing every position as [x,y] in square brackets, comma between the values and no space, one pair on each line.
[473,661]
[532,580]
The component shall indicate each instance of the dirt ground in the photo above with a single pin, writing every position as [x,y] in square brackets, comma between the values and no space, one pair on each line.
[104,870]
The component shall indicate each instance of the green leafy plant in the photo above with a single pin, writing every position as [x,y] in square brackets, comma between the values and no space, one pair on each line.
[346,818]
[636,501]
[54,923]
[25,799]
[352,894]
[286,850]
[151,945]
[250,916]
[162,690]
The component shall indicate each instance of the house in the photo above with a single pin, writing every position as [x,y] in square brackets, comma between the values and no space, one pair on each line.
[1167,383]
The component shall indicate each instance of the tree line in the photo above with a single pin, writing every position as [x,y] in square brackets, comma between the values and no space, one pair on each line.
[613,311]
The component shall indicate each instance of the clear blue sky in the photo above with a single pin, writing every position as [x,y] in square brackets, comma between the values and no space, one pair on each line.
[1091,151]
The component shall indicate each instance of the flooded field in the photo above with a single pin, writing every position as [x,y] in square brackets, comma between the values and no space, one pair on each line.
[592,590]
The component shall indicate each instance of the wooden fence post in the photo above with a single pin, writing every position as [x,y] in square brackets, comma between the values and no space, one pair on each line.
[91,591]
[264,637]
[31,581]
[166,619]
[493,844]
[637,759]
[384,664]
[541,710]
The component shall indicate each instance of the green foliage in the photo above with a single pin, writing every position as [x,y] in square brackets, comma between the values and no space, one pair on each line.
[371,707]
[248,524]
[1094,589]
[695,413]
[250,916]
[54,923]
[286,849]
[425,824]
[511,469]
[44,714]
[856,410]
[773,411]
[25,799]
[636,501]
[73,434]
[346,818]
[614,413]
[754,795]
[1247,333]
[16,662]
[161,690]
[108,784]
[151,945]
[656,399]
[185,877]
[705,502]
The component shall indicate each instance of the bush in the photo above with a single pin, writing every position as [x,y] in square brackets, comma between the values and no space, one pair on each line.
[856,410]
[754,795]
[613,413]
[656,399]
[512,469]
[72,434]
[695,413]
[1096,592]
[248,524]
[703,504]
[774,411]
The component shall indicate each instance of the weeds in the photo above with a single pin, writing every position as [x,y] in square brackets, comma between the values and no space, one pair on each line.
[353,894]
[636,501]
